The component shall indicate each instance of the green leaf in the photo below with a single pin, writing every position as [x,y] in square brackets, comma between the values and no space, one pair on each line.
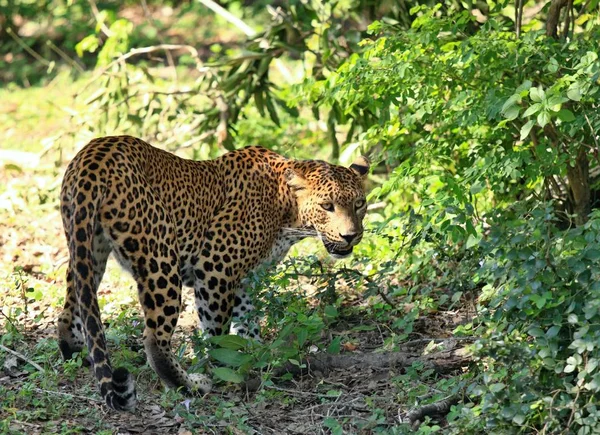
[230,357]
[537,94]
[301,336]
[534,108]
[473,241]
[335,345]
[511,112]
[543,118]
[555,101]
[536,332]
[592,254]
[333,425]
[552,65]
[574,92]
[234,342]
[525,86]
[512,100]
[296,363]
[331,312]
[13,167]
[518,419]
[526,129]
[259,101]
[553,331]
[271,109]
[495,388]
[539,301]
[88,44]
[227,375]
[591,365]
[565,115]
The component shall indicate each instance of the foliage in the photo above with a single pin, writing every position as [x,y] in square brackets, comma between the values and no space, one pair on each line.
[487,127]
[458,109]
[541,309]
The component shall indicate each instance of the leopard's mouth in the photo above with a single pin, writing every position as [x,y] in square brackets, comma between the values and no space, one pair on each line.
[337,252]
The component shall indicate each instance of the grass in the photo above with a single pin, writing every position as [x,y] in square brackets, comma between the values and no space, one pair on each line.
[29,117]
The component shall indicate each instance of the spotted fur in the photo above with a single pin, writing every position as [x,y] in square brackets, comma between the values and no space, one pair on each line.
[173,222]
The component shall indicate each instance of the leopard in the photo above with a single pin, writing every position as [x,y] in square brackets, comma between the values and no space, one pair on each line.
[208,225]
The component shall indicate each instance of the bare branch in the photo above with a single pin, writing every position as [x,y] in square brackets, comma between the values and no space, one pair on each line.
[219,10]
[23,358]
[567,23]
[98,19]
[146,50]
[518,17]
[73,396]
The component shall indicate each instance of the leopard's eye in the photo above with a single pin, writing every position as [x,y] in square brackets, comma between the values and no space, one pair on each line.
[327,206]
[360,203]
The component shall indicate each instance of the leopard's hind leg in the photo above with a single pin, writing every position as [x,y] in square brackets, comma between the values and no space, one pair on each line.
[145,244]
[70,325]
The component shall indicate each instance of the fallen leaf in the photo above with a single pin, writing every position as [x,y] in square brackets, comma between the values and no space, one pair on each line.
[349,346]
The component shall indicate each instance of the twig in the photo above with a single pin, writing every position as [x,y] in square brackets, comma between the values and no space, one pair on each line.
[318,405]
[25,423]
[147,50]
[300,393]
[219,10]
[574,408]
[73,396]
[26,47]
[8,319]
[221,132]
[442,362]
[245,28]
[23,358]
[96,14]
[372,283]
[593,136]
[376,205]
[195,140]
[161,39]
[436,340]
[65,56]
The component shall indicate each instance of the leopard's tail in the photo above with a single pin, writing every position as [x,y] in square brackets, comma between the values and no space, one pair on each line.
[80,203]
[122,397]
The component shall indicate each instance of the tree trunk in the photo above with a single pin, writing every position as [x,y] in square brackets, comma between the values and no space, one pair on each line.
[554,17]
[578,173]
[579,183]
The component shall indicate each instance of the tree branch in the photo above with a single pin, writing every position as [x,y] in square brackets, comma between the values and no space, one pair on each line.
[518,17]
[554,17]
[23,358]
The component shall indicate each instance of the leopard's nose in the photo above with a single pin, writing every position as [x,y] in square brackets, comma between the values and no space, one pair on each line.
[349,237]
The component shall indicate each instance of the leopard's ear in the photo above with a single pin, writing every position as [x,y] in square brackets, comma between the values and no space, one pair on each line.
[361,166]
[294,179]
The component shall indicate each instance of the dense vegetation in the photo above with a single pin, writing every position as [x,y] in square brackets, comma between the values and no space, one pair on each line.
[482,119]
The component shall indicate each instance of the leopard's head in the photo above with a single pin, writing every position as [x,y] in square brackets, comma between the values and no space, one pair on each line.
[331,201]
